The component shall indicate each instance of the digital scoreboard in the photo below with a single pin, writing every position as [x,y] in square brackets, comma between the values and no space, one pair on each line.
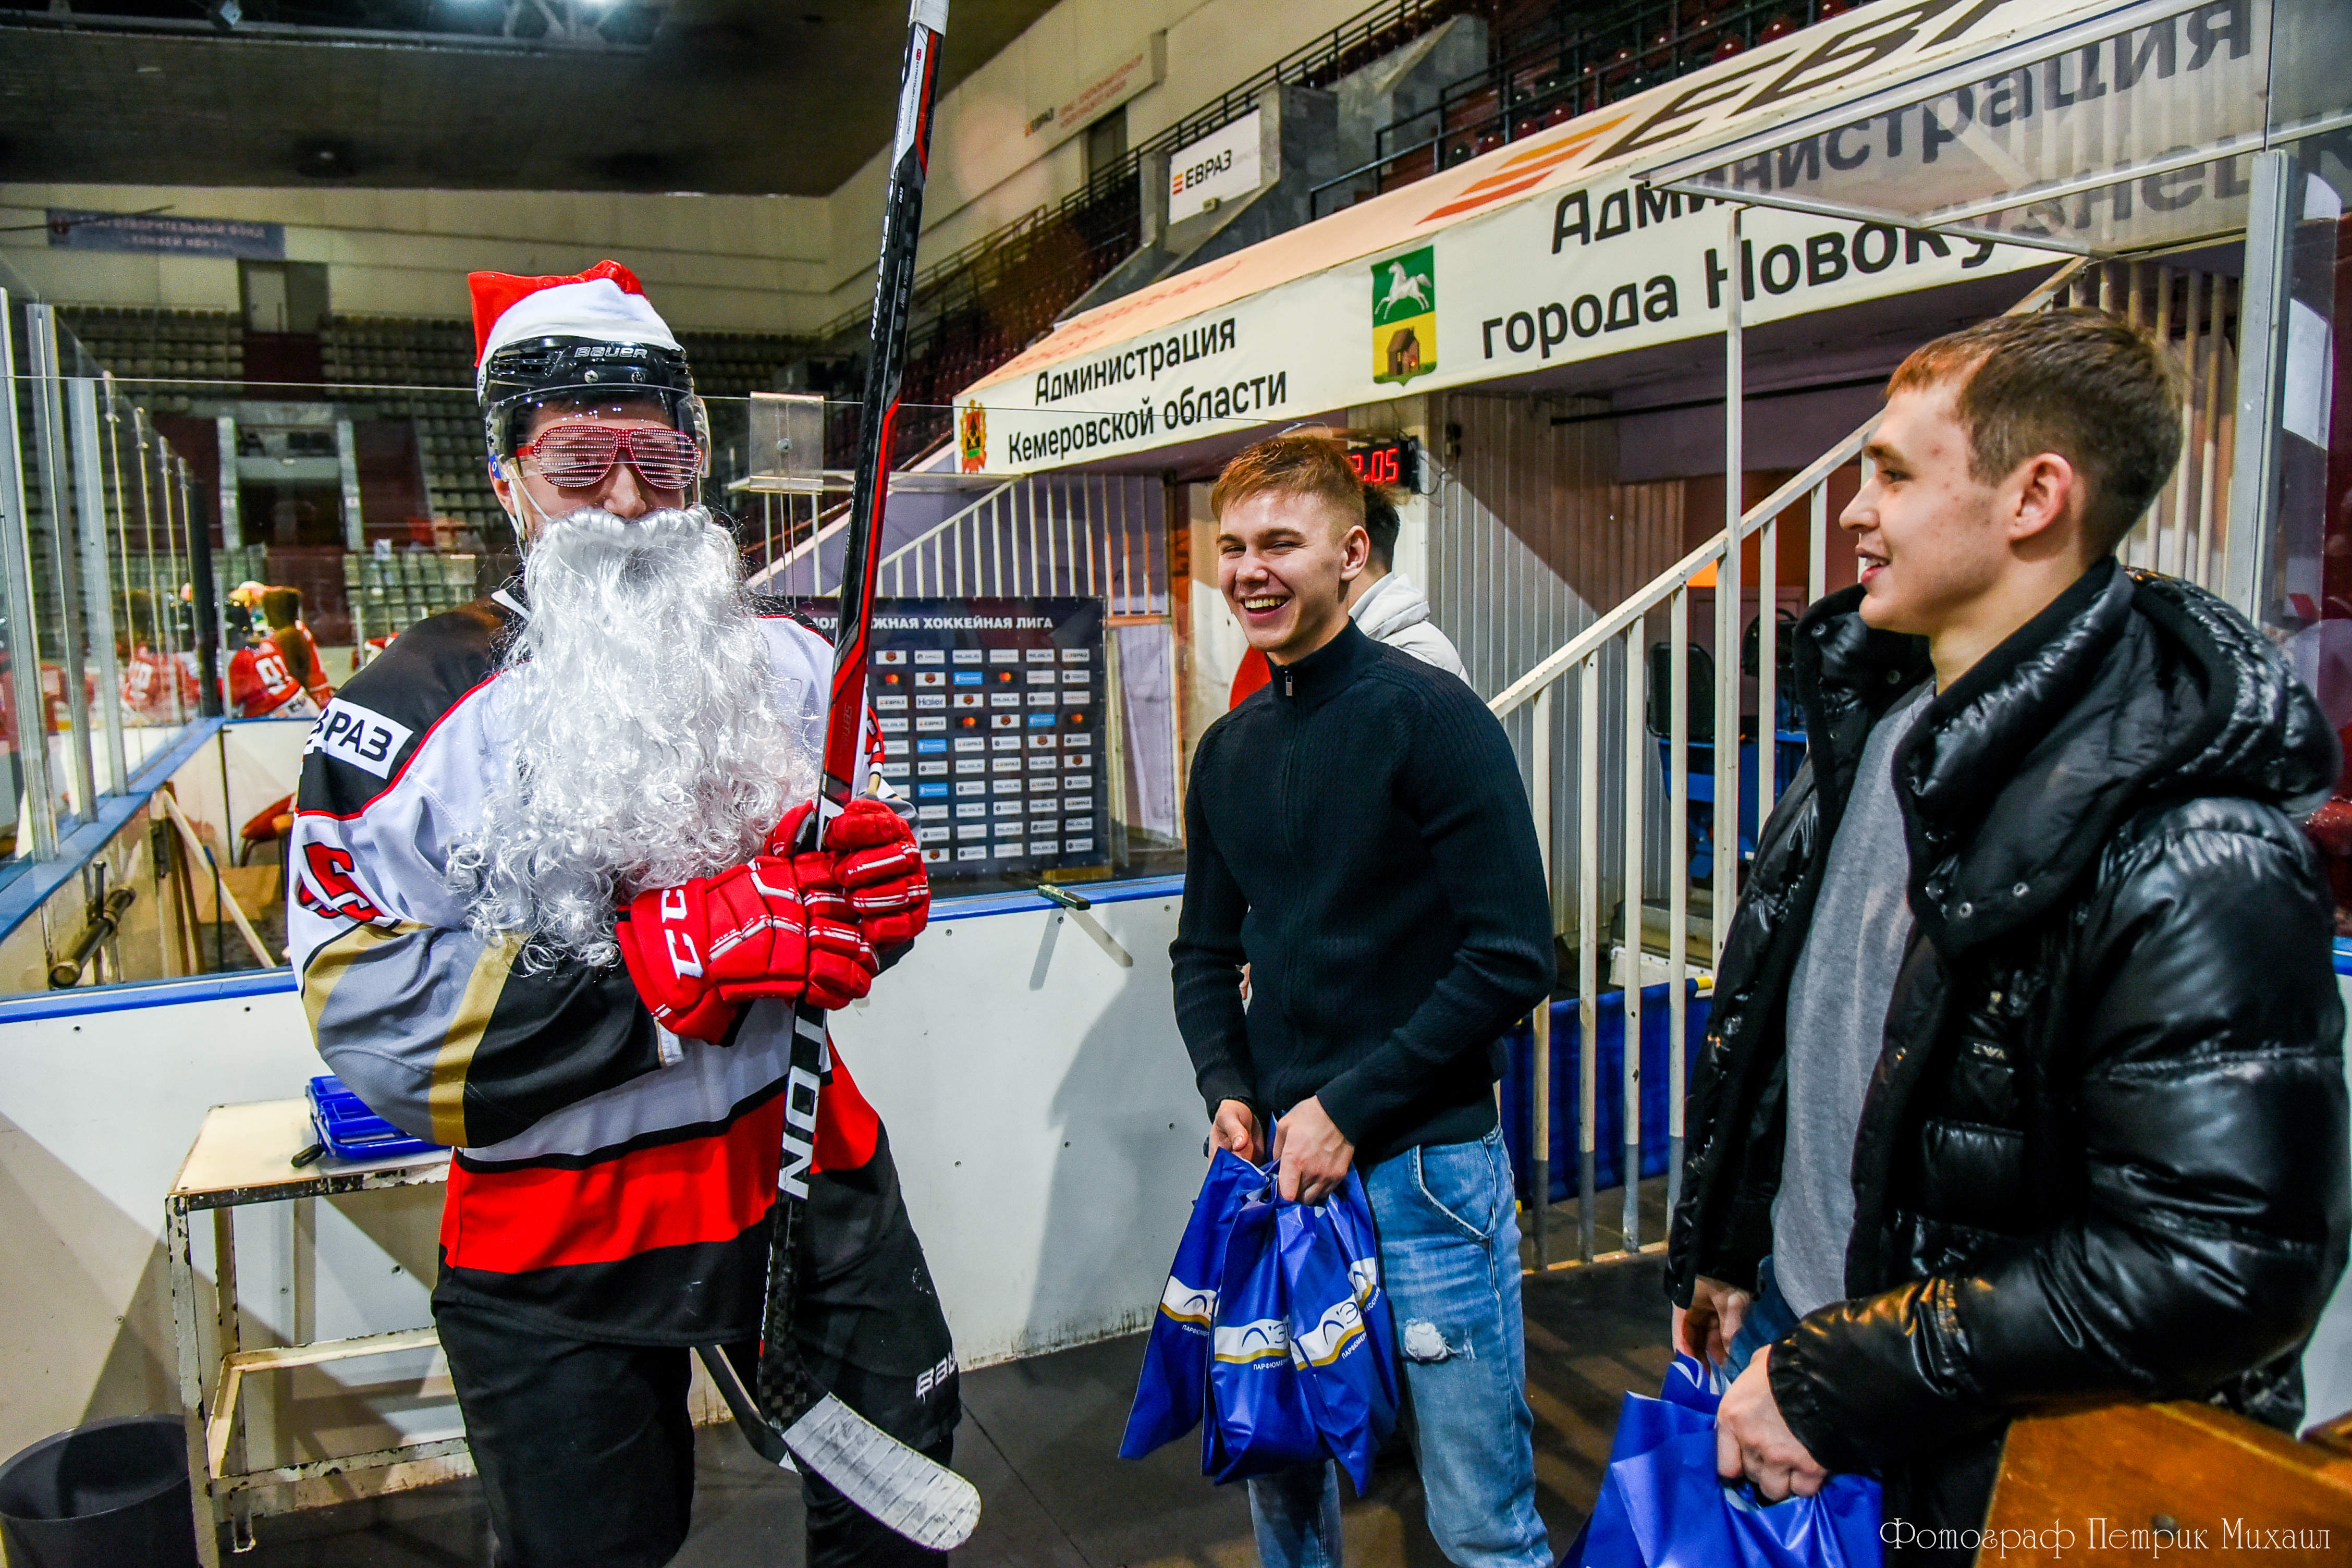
[1387,460]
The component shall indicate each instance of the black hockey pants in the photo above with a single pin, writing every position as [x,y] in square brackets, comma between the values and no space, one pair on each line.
[586,1453]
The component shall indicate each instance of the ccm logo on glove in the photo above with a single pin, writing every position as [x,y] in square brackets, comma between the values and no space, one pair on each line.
[699,950]
[683,963]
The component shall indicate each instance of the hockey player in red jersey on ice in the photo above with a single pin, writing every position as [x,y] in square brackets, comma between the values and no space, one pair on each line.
[544,912]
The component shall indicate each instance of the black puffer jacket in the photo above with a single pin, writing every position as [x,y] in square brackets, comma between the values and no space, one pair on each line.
[2103,1151]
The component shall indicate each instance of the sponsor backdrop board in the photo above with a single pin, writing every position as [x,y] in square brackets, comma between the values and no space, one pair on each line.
[991,714]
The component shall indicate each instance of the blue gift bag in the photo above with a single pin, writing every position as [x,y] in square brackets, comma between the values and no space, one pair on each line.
[1663,1505]
[1273,1331]
[1258,1420]
[1350,1212]
[1342,1340]
[1169,1395]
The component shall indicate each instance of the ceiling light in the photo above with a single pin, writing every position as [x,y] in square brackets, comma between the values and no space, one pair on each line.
[325,158]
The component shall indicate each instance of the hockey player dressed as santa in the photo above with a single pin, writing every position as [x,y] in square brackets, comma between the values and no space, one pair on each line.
[544,912]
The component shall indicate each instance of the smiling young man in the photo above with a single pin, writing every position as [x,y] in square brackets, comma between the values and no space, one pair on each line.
[544,912]
[2025,1079]
[1356,832]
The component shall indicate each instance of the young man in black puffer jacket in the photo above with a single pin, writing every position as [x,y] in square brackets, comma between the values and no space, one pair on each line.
[2025,1080]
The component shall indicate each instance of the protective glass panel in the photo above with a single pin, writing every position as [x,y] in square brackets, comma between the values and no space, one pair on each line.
[2306,599]
[276,507]
[49,688]
[360,480]
[1026,669]
[2311,40]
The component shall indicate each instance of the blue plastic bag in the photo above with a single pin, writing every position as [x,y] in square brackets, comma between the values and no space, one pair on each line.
[1342,1340]
[1273,1331]
[1258,1420]
[1170,1394]
[1350,1212]
[1663,1505]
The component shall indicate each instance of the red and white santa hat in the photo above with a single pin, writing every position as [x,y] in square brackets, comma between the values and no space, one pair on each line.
[606,304]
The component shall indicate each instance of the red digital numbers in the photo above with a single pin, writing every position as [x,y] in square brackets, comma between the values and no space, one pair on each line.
[1379,465]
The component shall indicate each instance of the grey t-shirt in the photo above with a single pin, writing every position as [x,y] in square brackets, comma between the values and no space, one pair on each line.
[1838,998]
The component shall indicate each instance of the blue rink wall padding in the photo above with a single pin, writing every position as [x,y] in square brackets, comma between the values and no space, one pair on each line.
[1608,1121]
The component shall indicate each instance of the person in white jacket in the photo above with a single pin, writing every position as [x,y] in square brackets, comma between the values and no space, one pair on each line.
[1387,605]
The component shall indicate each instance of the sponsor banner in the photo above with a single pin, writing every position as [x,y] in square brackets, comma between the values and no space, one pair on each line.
[72,228]
[2197,79]
[1549,252]
[1141,70]
[1591,271]
[359,736]
[1219,167]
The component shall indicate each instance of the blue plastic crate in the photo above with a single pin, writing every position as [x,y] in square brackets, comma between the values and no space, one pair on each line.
[350,1130]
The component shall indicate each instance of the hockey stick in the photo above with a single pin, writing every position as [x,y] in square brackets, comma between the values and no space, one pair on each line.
[791,1417]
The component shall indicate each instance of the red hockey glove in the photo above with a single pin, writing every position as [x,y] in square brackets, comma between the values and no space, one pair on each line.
[881,869]
[874,857]
[698,950]
[784,838]
[840,962]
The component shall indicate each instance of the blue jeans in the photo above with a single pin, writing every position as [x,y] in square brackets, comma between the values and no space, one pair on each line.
[1769,1319]
[1450,1262]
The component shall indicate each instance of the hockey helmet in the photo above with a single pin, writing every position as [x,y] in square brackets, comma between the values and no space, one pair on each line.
[560,341]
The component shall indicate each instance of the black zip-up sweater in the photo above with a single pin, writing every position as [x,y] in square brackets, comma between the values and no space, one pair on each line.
[1358,835]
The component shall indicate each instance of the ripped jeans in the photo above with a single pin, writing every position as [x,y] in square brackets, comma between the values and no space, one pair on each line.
[1450,1261]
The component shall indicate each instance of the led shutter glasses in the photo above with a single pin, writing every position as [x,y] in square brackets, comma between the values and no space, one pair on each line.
[576,456]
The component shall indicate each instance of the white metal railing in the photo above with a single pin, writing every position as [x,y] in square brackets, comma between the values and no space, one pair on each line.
[794,530]
[937,542]
[1622,630]
[1076,536]
[2187,311]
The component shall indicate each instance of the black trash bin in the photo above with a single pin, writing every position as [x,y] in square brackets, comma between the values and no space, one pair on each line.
[107,1495]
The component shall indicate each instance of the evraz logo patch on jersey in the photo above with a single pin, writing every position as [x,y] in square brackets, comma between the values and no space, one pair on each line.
[359,736]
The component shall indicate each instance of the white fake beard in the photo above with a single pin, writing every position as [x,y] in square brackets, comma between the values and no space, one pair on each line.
[649,745]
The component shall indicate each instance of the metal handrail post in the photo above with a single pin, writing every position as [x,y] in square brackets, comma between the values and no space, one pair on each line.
[1727,602]
[2270,213]
[1629,985]
[1588,945]
[1678,882]
[1540,1076]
